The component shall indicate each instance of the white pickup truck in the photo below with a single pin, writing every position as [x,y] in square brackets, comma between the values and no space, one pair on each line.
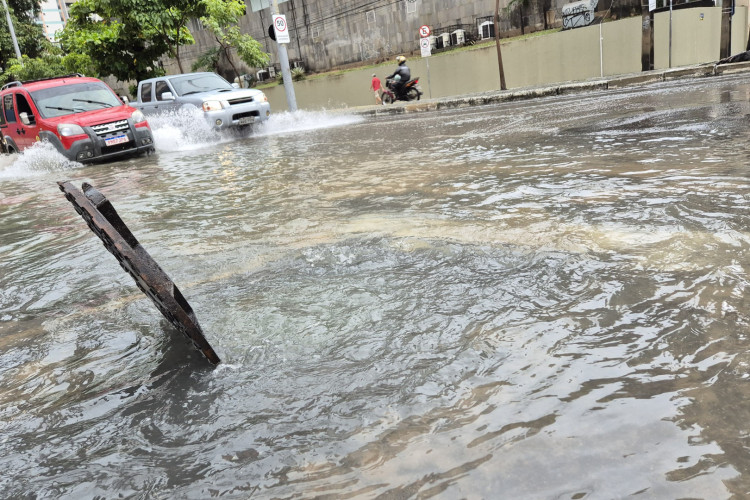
[224,105]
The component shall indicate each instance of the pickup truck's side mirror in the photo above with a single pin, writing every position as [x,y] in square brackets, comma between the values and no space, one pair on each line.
[25,118]
[167,96]
[124,99]
[236,85]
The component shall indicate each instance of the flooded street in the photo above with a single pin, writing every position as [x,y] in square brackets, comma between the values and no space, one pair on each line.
[541,299]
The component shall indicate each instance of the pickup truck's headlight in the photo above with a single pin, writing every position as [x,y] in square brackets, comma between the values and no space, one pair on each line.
[137,116]
[262,97]
[214,105]
[68,129]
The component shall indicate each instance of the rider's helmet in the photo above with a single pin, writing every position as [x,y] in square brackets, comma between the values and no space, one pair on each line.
[400,60]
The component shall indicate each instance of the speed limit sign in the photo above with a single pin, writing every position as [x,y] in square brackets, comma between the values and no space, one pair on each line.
[280,28]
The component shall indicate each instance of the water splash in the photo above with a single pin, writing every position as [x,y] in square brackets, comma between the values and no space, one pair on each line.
[183,130]
[39,159]
[187,129]
[300,121]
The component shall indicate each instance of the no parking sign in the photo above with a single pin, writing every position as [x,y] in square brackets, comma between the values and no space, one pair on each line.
[425,46]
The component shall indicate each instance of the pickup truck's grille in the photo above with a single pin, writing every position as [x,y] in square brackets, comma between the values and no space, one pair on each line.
[241,100]
[238,116]
[108,128]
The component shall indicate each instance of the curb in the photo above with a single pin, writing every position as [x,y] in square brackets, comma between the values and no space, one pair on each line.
[499,96]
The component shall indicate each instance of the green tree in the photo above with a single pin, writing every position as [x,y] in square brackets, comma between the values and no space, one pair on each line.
[126,38]
[32,69]
[221,18]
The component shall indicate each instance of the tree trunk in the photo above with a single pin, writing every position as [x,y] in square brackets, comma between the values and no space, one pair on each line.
[177,56]
[225,49]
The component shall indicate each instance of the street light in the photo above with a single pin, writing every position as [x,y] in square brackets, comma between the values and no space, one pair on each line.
[12,33]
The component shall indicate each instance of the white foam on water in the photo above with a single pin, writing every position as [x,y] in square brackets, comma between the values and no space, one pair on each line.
[187,129]
[300,121]
[39,159]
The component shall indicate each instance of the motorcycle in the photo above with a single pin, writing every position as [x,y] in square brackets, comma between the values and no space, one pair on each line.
[409,92]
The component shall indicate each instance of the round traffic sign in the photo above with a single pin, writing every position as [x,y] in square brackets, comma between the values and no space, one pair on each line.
[424,43]
[424,31]
[280,23]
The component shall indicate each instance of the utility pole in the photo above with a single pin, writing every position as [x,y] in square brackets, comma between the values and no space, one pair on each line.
[497,43]
[13,33]
[286,74]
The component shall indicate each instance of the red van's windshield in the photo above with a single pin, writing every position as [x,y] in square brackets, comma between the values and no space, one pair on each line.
[74,98]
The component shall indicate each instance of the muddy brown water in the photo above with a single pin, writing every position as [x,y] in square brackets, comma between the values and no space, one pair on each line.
[541,299]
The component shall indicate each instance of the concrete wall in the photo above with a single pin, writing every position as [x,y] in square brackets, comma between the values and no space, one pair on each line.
[575,54]
[329,33]
[565,56]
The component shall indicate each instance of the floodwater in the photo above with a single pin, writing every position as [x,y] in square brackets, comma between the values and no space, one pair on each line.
[542,299]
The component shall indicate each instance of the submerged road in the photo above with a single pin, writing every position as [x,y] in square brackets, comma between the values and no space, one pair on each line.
[539,298]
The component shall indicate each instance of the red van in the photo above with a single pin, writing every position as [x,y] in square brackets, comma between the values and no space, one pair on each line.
[82,117]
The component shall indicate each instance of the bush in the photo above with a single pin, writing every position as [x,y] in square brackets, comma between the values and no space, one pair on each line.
[298,74]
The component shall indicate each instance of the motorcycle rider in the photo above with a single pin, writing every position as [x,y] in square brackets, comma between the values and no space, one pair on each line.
[404,75]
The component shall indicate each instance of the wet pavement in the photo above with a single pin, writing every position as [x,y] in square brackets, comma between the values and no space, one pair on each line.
[541,298]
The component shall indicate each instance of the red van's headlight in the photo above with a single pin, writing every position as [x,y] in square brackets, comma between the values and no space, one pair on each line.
[68,129]
[138,117]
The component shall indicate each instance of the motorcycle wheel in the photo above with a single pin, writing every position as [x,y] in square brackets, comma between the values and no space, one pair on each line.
[412,94]
[387,98]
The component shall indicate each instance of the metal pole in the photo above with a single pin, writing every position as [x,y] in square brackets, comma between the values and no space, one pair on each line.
[429,87]
[12,33]
[601,52]
[670,33]
[286,74]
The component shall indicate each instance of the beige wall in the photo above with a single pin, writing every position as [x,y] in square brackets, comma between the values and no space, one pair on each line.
[564,56]
[739,29]
[696,35]
[575,54]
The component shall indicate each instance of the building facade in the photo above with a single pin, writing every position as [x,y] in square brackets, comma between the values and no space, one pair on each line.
[52,17]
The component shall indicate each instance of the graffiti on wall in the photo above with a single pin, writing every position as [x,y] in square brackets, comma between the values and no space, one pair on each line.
[577,14]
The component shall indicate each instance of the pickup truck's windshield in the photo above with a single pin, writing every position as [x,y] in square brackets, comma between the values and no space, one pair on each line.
[192,84]
[74,98]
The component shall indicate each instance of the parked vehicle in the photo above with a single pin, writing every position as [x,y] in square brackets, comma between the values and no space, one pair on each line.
[409,92]
[82,117]
[224,105]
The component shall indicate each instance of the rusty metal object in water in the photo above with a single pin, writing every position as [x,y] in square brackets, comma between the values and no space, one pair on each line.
[104,221]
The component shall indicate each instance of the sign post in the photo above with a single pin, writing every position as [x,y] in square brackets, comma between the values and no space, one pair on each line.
[426,48]
[281,30]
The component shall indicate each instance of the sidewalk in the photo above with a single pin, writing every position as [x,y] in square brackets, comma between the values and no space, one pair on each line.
[497,96]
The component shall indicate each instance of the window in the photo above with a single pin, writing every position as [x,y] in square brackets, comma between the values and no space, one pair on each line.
[24,107]
[161,87]
[488,30]
[146,92]
[8,110]
[370,16]
[411,6]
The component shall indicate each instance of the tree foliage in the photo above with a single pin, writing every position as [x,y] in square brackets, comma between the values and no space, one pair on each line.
[29,34]
[221,18]
[126,38]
